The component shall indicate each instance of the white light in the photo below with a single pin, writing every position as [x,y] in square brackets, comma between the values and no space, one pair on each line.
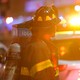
[78,79]
[61,17]
[4,67]
[75,21]
[79,74]
[9,20]
[74,64]
[64,25]
[77,8]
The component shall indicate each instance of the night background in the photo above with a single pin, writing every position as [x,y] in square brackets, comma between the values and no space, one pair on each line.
[18,11]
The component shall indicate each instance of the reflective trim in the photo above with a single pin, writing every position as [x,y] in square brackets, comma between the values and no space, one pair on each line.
[53,16]
[36,68]
[40,66]
[39,18]
[48,18]
[57,72]
[24,71]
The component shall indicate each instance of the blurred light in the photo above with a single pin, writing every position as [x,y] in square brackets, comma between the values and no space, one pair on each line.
[78,79]
[79,71]
[77,32]
[74,64]
[63,21]
[64,25]
[1,21]
[79,74]
[62,50]
[65,32]
[62,67]
[9,20]
[77,8]
[75,21]
[4,66]
[33,5]
[9,27]
[61,17]
[62,53]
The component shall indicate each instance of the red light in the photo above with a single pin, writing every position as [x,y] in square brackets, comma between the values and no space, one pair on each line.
[62,67]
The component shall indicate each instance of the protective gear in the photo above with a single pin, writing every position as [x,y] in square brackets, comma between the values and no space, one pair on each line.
[36,62]
[45,16]
[3,53]
[12,61]
[36,57]
[14,51]
[15,48]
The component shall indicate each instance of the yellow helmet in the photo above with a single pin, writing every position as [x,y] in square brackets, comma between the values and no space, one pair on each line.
[45,15]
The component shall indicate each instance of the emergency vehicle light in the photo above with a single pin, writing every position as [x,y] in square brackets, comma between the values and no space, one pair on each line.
[74,21]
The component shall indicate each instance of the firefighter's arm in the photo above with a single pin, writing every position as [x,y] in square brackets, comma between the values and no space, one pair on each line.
[41,67]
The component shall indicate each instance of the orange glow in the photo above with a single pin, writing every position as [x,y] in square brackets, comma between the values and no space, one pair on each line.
[62,53]
[47,36]
[62,50]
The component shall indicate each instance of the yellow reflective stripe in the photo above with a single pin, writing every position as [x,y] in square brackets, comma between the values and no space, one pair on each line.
[57,72]
[48,18]
[24,71]
[40,66]
[53,16]
[39,18]
[36,68]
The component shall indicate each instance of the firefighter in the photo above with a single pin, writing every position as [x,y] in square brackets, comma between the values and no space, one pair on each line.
[38,60]
[3,55]
[12,61]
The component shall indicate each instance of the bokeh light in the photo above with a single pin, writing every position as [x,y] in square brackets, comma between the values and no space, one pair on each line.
[9,20]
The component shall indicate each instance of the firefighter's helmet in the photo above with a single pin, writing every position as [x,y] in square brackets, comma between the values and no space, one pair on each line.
[45,15]
[15,47]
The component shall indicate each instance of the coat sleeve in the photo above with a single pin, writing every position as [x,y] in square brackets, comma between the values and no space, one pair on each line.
[38,61]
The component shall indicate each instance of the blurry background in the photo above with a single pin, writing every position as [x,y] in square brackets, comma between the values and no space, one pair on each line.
[18,11]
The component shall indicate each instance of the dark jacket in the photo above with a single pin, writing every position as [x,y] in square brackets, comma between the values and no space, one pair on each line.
[36,63]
